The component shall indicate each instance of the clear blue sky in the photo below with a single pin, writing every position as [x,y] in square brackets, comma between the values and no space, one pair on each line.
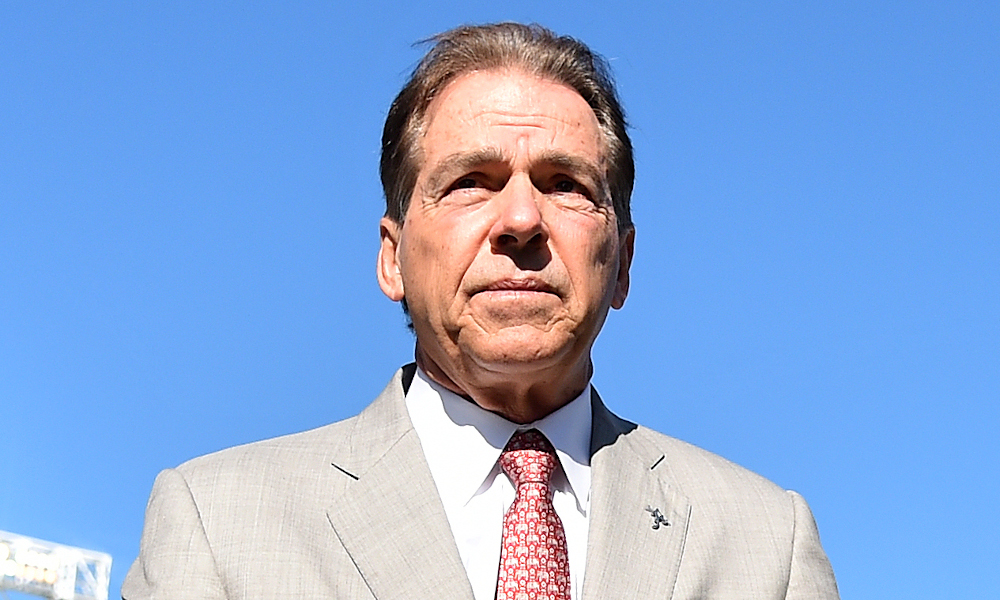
[188,226]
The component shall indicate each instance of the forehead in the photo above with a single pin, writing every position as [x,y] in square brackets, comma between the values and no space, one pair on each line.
[501,107]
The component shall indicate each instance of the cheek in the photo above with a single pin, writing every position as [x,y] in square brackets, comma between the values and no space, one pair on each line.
[591,246]
[591,260]
[431,268]
[606,252]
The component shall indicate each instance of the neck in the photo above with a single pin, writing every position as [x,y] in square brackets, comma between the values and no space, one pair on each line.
[518,395]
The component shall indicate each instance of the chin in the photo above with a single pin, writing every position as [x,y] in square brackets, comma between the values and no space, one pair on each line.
[517,352]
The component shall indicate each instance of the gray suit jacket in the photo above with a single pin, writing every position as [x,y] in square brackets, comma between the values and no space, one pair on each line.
[350,510]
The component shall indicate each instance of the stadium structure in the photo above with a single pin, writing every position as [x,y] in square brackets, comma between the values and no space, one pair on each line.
[52,570]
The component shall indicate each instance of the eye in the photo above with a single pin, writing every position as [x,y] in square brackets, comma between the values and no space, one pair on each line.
[566,186]
[465,183]
[471,181]
[569,186]
[470,187]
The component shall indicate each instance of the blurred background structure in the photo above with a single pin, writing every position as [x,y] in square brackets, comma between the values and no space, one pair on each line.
[52,570]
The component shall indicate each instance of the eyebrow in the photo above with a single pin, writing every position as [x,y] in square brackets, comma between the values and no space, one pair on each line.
[462,162]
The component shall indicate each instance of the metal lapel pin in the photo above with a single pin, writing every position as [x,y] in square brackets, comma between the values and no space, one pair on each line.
[658,518]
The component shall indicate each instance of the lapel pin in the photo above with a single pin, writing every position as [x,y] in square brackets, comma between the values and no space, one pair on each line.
[658,518]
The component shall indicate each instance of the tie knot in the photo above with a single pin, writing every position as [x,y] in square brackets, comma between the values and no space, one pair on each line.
[528,458]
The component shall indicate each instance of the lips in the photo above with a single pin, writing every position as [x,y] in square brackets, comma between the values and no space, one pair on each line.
[516,285]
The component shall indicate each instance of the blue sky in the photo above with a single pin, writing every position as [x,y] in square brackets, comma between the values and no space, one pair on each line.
[188,225]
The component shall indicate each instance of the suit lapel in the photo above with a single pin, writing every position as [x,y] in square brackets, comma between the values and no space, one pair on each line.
[390,518]
[626,556]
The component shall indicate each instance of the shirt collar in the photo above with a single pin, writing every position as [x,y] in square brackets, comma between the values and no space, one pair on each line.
[463,441]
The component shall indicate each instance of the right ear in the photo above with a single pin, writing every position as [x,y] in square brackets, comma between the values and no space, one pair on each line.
[390,278]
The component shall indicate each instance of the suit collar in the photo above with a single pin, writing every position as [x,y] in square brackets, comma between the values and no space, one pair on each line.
[389,517]
[626,556]
[391,521]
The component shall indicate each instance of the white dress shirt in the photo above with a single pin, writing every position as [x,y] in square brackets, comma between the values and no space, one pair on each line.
[462,443]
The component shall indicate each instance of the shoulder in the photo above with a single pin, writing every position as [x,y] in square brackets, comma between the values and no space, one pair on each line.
[723,496]
[700,472]
[300,459]
[266,500]
[737,518]
[690,470]
[280,454]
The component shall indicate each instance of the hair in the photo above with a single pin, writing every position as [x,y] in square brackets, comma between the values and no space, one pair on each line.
[530,48]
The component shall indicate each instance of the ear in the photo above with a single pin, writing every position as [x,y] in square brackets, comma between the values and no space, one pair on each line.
[390,278]
[626,246]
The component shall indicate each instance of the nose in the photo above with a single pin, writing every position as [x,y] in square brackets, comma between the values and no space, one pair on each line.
[519,223]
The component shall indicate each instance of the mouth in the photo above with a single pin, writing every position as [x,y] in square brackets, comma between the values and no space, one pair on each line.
[516,285]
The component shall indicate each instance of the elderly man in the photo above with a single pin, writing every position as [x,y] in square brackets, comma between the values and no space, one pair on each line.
[490,468]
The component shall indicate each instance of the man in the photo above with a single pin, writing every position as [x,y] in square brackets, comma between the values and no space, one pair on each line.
[490,468]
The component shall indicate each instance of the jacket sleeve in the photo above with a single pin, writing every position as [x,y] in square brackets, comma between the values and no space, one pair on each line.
[175,560]
[810,575]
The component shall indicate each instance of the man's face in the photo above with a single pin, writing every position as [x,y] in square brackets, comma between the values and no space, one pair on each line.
[509,256]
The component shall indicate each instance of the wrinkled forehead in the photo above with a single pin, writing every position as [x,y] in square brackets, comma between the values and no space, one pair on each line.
[512,107]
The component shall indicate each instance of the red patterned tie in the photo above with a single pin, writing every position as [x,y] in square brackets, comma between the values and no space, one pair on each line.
[534,564]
